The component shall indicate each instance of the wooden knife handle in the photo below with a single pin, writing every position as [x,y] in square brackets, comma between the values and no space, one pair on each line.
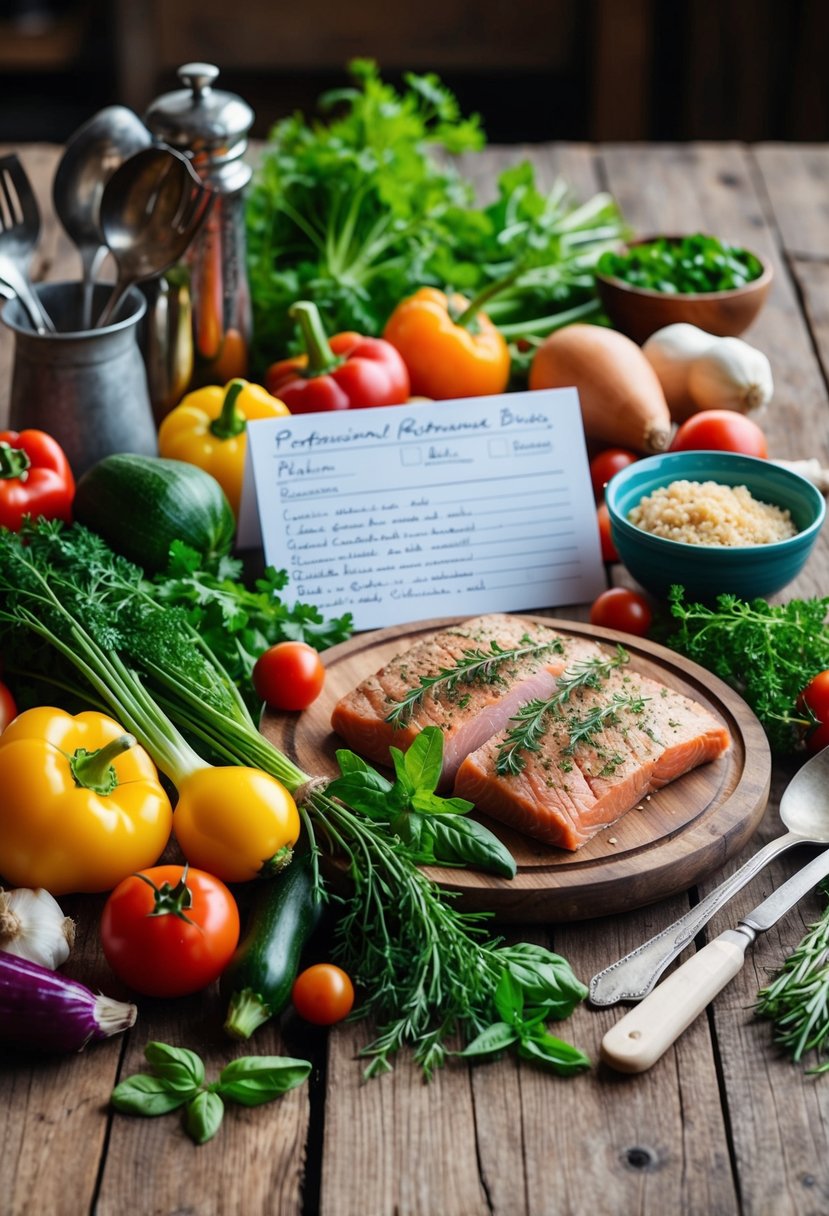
[645,1033]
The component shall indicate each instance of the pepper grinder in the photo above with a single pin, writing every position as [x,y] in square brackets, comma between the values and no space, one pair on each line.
[211,127]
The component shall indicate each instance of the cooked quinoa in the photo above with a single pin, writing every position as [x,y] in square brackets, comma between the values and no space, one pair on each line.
[707,513]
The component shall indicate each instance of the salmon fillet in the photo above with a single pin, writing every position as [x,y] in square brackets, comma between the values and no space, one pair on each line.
[475,708]
[567,792]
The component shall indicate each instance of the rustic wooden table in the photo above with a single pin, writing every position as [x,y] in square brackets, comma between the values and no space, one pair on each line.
[721,1125]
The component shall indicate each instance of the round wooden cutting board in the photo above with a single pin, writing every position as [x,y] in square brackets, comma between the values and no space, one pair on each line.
[681,834]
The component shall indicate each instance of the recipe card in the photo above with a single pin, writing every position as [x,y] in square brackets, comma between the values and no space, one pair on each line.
[437,508]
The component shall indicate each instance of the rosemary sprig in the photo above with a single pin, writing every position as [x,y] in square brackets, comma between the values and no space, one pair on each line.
[533,718]
[797,1000]
[476,665]
[582,730]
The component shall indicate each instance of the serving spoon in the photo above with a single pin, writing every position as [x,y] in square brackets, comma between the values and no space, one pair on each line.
[92,155]
[804,810]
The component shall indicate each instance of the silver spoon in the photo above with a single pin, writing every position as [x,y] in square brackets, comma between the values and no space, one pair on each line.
[151,209]
[804,810]
[92,155]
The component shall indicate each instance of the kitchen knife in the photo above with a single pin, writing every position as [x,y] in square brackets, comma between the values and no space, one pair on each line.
[647,1031]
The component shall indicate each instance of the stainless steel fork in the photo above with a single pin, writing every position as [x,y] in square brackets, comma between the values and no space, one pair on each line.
[19,230]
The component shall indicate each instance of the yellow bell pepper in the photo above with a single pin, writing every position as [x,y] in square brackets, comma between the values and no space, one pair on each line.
[81,805]
[208,429]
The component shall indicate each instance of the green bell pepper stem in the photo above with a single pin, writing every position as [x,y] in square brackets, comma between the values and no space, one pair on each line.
[93,770]
[231,421]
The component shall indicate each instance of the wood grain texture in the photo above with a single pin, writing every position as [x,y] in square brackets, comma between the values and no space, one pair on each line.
[676,836]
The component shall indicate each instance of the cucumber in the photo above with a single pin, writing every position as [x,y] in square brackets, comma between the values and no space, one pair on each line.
[259,977]
[141,504]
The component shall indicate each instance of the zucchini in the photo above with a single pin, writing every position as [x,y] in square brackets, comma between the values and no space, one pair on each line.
[141,504]
[259,978]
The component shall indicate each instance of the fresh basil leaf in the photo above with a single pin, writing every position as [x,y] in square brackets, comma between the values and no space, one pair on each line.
[399,761]
[545,978]
[552,1053]
[367,792]
[181,1069]
[203,1116]
[252,1080]
[351,763]
[146,1095]
[424,759]
[409,827]
[509,999]
[467,842]
[494,1038]
[432,804]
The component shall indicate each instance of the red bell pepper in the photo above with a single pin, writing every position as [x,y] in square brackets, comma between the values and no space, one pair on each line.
[35,478]
[347,372]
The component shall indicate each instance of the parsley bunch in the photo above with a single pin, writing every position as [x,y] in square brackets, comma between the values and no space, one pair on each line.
[767,652]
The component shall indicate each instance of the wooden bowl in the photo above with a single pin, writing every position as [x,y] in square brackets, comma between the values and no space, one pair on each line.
[639,312]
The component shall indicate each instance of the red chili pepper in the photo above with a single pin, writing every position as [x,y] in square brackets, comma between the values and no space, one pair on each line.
[347,372]
[35,478]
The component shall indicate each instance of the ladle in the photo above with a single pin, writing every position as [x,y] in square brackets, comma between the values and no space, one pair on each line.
[804,810]
[92,155]
[151,209]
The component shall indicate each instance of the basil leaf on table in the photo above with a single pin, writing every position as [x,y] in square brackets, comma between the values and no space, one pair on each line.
[150,1096]
[509,999]
[181,1069]
[497,1037]
[553,1053]
[253,1080]
[203,1116]
[545,978]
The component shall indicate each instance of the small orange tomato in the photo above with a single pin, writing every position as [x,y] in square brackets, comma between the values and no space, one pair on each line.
[323,994]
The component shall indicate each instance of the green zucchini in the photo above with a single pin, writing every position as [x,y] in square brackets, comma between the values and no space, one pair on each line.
[141,504]
[259,978]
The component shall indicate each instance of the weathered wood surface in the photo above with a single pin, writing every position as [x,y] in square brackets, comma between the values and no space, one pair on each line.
[721,1125]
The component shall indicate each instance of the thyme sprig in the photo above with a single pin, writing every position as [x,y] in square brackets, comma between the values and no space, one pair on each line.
[797,1000]
[583,730]
[474,666]
[533,719]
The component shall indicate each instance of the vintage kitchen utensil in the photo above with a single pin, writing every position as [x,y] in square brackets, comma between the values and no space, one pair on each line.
[646,1032]
[804,809]
[151,209]
[92,155]
[19,230]
[211,127]
[87,388]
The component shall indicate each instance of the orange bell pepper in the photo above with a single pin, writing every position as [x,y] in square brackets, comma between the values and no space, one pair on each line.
[450,347]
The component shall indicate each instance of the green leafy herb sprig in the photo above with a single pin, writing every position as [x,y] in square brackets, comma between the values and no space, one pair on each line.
[767,652]
[523,1027]
[178,1080]
[532,719]
[797,999]
[475,665]
[690,264]
[434,829]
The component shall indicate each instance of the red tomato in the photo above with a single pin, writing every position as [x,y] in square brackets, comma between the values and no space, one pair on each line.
[8,709]
[721,431]
[289,675]
[172,953]
[608,462]
[608,548]
[621,609]
[816,696]
[323,994]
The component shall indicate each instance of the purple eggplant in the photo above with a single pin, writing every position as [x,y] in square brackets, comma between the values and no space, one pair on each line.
[44,1010]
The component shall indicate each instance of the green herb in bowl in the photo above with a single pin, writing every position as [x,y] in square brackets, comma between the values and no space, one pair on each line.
[683,265]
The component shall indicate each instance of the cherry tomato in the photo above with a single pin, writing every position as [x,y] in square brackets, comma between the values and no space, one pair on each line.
[721,431]
[816,696]
[608,548]
[289,675]
[323,994]
[169,952]
[608,462]
[621,609]
[8,708]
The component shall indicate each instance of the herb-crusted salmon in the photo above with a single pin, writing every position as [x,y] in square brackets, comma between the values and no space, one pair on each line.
[592,757]
[504,661]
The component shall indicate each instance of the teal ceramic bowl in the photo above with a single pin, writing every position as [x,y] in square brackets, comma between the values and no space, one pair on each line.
[707,571]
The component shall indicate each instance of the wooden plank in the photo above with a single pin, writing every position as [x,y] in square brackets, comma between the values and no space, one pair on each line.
[796,179]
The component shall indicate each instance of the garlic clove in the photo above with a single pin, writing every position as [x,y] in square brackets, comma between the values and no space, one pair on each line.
[33,927]
[731,375]
[671,352]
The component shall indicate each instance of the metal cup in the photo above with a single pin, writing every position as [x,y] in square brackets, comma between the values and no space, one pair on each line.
[86,388]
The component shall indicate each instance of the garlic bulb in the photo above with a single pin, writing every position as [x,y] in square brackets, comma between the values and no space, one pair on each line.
[699,371]
[33,927]
[670,352]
